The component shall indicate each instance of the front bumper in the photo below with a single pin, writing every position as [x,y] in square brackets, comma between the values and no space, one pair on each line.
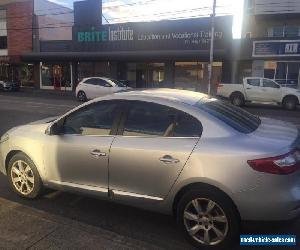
[4,147]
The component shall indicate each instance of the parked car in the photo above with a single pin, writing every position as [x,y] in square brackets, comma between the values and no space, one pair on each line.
[9,86]
[260,90]
[92,87]
[208,163]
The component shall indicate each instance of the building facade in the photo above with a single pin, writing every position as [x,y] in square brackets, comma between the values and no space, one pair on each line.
[168,53]
[270,46]
[15,37]
[23,23]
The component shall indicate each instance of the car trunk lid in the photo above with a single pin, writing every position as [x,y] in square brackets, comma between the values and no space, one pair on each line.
[281,133]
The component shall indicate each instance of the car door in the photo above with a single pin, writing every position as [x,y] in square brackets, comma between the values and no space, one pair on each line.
[154,144]
[271,90]
[253,89]
[89,87]
[79,154]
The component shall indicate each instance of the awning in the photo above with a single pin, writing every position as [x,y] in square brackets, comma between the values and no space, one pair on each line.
[149,55]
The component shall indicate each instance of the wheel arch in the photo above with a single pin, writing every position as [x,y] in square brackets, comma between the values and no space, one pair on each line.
[290,96]
[13,152]
[237,92]
[9,156]
[200,185]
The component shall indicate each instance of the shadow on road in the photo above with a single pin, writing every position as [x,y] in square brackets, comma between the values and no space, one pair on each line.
[150,227]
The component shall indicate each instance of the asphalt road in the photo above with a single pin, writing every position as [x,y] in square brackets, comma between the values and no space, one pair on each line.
[160,230]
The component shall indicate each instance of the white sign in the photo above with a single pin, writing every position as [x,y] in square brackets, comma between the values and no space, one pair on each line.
[291,48]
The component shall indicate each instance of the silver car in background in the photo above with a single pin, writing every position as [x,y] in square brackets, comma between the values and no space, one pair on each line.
[176,152]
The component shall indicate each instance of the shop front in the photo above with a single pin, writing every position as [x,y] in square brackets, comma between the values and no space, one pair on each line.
[168,53]
[56,75]
[12,70]
[278,60]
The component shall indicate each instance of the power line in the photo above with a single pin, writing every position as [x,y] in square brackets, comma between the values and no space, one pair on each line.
[105,18]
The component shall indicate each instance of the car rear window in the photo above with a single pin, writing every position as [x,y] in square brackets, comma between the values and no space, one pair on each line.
[235,117]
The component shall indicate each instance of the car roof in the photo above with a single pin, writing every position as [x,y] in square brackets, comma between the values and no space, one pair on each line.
[183,96]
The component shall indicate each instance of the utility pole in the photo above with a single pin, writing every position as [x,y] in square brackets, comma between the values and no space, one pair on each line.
[211,53]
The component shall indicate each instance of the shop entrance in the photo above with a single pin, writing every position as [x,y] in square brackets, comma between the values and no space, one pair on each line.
[146,75]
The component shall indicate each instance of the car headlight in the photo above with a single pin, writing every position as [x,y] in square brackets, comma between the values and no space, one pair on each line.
[4,138]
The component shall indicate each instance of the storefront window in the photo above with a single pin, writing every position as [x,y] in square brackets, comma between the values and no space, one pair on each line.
[27,75]
[146,75]
[270,69]
[280,76]
[156,74]
[85,69]
[194,76]
[293,73]
[188,75]
[56,76]
[282,72]
[91,69]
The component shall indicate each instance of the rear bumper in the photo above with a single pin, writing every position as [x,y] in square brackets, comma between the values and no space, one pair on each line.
[276,201]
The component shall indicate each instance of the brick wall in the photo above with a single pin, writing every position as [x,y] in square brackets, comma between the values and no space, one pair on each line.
[19,28]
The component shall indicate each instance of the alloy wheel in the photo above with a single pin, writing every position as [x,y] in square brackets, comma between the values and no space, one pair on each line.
[81,96]
[205,221]
[237,101]
[22,177]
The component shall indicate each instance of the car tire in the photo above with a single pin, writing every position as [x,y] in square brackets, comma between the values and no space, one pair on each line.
[237,99]
[214,225]
[81,96]
[23,176]
[290,103]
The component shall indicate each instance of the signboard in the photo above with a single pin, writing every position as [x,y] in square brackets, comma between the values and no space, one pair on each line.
[274,48]
[166,35]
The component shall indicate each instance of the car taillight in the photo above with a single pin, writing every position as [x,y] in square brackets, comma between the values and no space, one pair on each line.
[219,85]
[283,164]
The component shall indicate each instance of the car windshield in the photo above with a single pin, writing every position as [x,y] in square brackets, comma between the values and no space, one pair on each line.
[119,84]
[235,117]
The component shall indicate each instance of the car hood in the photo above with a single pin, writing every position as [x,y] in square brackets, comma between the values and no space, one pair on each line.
[276,133]
[37,126]
[45,120]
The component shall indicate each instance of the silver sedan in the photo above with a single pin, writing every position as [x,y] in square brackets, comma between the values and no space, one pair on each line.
[176,152]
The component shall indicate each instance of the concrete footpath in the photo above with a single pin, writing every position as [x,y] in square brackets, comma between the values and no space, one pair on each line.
[23,227]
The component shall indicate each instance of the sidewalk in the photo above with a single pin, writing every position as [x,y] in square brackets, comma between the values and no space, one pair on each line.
[22,227]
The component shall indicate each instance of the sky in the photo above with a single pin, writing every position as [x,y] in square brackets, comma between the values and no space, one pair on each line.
[116,11]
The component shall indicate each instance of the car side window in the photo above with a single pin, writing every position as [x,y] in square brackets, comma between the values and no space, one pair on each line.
[90,81]
[254,82]
[269,83]
[150,119]
[187,126]
[95,119]
[102,83]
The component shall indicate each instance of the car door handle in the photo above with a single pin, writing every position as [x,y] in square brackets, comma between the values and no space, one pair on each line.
[248,88]
[97,153]
[168,159]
